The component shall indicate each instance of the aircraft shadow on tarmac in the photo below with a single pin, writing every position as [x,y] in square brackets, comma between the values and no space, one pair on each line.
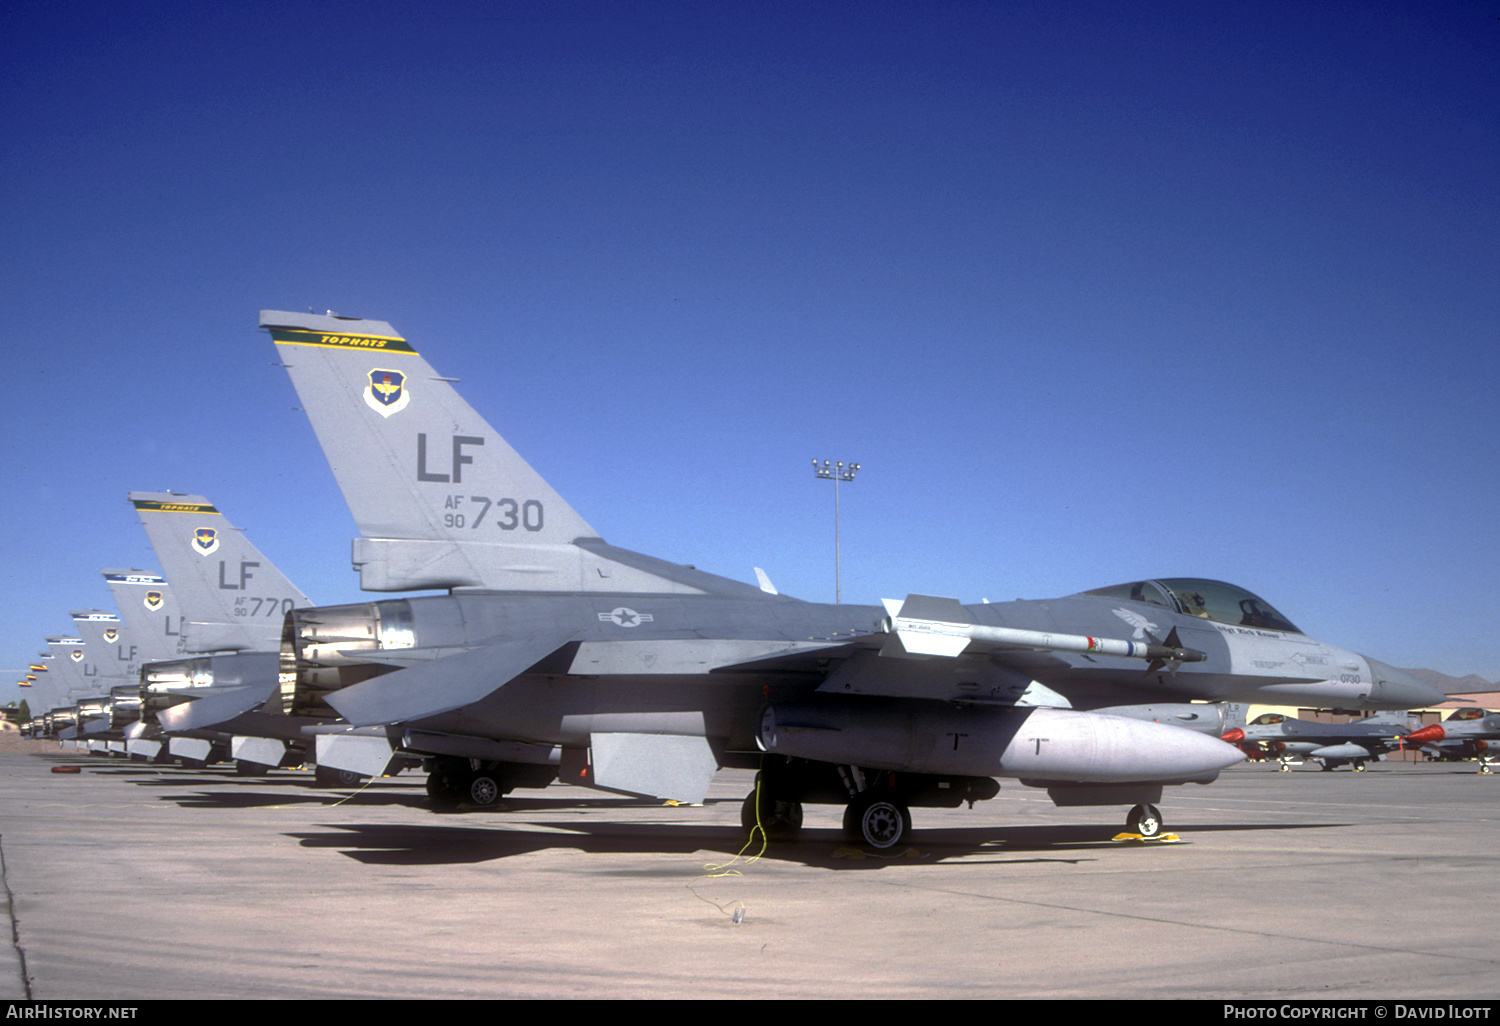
[490,838]
[521,825]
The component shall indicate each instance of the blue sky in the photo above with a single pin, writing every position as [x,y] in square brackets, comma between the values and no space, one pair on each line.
[1093,291]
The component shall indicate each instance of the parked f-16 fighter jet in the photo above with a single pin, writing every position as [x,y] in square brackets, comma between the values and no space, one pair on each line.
[556,653]
[1465,734]
[235,601]
[1332,744]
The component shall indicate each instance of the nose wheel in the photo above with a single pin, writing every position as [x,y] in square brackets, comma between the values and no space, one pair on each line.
[1144,820]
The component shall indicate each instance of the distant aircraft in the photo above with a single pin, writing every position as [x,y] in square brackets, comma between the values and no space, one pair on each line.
[1332,744]
[1465,734]
[106,660]
[233,602]
[557,654]
[228,704]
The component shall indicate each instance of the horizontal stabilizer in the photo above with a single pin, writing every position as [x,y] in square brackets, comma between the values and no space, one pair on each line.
[441,685]
[215,706]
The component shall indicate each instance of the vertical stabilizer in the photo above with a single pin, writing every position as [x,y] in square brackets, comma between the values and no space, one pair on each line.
[109,656]
[233,598]
[150,612]
[67,668]
[442,501]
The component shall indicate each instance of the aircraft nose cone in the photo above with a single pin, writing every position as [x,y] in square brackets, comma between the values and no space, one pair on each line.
[1397,689]
[1233,737]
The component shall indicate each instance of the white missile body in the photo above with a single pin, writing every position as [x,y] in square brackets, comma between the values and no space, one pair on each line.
[919,636]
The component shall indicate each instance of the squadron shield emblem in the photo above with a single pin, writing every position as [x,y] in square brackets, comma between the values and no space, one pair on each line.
[153,600]
[387,392]
[205,540]
[111,635]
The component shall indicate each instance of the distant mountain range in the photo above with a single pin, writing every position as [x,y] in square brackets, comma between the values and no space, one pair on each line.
[1455,685]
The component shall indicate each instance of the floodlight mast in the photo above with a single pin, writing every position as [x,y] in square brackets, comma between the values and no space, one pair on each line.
[836,472]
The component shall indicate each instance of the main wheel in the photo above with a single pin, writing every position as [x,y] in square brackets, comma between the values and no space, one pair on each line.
[878,822]
[484,788]
[327,776]
[781,820]
[446,782]
[1144,820]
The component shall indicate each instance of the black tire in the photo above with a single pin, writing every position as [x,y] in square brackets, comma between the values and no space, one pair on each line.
[877,822]
[484,789]
[441,790]
[327,776]
[1144,820]
[781,820]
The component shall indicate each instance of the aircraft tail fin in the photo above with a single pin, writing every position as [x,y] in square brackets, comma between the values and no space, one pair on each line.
[232,597]
[1398,719]
[149,609]
[1234,714]
[441,500]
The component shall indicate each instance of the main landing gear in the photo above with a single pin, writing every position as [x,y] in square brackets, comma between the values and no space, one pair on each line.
[454,782]
[875,817]
[870,819]
[877,803]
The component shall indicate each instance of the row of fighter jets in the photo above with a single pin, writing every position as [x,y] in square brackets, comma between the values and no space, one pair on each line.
[1468,733]
[549,654]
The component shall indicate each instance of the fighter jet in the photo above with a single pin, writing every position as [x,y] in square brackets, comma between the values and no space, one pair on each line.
[227,704]
[1465,734]
[556,653]
[106,662]
[1332,744]
[233,602]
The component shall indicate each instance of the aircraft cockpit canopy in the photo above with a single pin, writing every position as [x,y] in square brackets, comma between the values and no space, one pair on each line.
[1267,720]
[1211,600]
[1468,714]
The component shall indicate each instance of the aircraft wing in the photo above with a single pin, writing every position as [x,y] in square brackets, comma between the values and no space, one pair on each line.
[442,685]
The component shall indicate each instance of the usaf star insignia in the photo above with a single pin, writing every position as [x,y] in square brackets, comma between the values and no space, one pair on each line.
[625,617]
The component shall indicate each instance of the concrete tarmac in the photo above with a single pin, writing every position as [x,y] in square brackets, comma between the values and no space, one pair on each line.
[127,882]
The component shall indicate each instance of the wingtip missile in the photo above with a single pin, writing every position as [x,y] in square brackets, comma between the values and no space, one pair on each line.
[921,636]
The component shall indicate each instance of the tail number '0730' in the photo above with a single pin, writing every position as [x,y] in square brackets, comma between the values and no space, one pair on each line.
[508,514]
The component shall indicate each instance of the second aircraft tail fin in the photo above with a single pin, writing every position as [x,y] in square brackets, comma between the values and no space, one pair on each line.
[232,597]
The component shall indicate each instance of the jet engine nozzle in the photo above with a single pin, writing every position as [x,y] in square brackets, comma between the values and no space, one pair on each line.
[326,648]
